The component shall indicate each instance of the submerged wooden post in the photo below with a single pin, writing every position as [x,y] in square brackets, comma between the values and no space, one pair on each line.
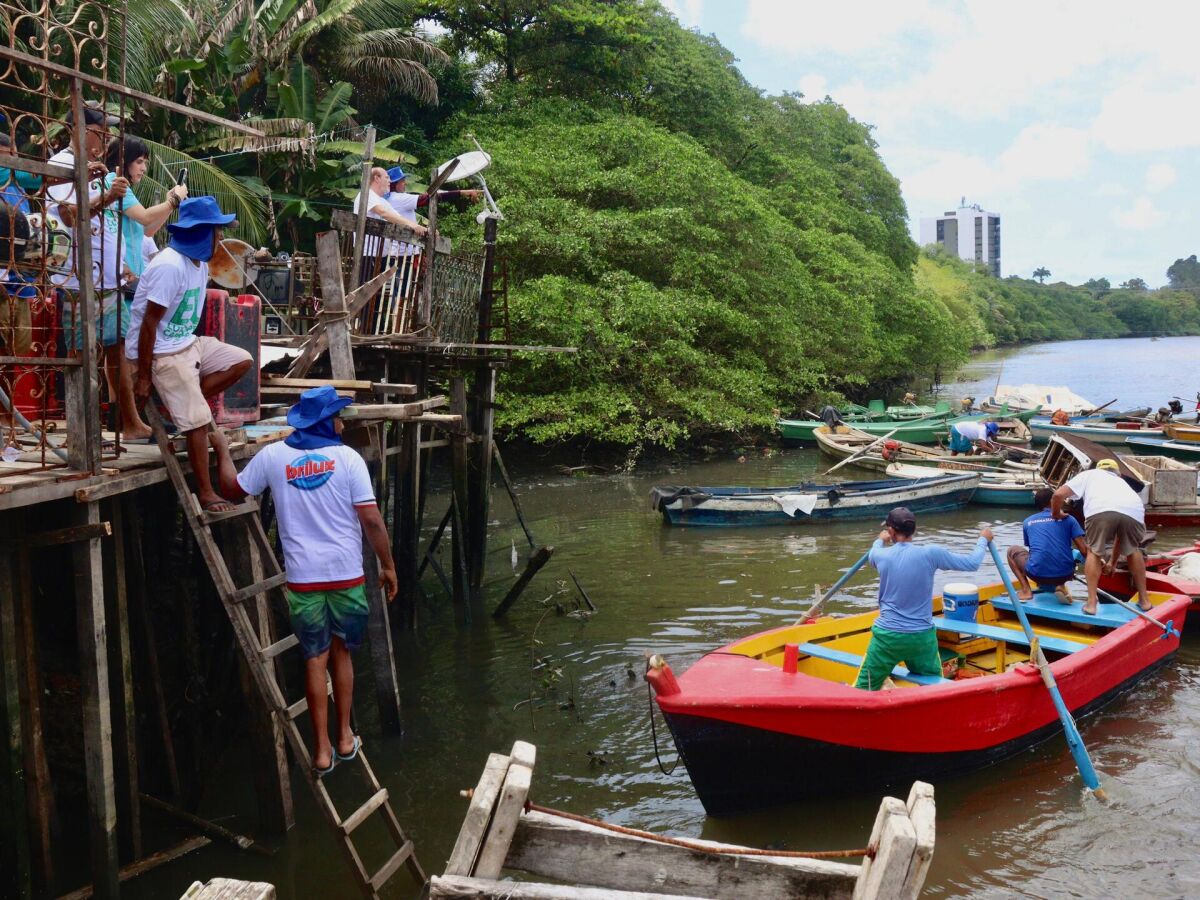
[459,480]
[379,631]
[121,662]
[97,711]
[15,870]
[479,485]
[43,819]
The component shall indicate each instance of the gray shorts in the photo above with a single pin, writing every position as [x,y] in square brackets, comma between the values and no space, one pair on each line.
[1113,528]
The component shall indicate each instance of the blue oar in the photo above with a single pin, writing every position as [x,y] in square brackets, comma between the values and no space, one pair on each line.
[1086,770]
[833,590]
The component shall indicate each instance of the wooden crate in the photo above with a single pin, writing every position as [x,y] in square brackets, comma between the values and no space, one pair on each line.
[1169,481]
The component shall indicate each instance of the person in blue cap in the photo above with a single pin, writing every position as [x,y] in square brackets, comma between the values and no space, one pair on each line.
[973,437]
[325,504]
[406,204]
[185,369]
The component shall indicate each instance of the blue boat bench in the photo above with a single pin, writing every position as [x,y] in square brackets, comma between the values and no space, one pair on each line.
[1008,635]
[846,658]
[1108,615]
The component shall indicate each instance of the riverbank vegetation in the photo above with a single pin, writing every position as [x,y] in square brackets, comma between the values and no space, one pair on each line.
[717,254]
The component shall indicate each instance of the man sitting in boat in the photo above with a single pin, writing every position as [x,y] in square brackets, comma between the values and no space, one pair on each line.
[1113,514]
[904,631]
[1046,554]
[973,437]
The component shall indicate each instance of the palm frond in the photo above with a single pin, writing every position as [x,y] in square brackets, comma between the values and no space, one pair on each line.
[237,13]
[206,178]
[281,40]
[390,74]
[279,136]
[391,59]
[334,12]
[145,24]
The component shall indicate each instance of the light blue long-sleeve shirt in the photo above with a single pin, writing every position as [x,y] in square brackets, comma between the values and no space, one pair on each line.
[906,581]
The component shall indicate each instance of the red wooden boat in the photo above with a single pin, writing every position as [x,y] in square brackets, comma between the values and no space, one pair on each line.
[774,718]
[1158,578]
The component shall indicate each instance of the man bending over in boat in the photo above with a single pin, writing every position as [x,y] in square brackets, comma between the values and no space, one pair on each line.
[325,503]
[904,631]
[1113,514]
[1046,554]
[973,437]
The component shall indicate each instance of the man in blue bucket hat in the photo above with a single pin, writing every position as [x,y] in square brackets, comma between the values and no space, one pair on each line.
[325,504]
[185,369]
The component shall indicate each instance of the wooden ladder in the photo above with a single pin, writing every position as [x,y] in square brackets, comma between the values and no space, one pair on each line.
[260,661]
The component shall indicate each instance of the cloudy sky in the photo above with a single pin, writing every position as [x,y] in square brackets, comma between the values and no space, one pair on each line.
[1078,122]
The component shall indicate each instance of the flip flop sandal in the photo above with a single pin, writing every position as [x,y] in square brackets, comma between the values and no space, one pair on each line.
[352,754]
[321,773]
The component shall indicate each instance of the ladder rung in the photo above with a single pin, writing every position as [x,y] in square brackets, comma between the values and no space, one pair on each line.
[363,813]
[259,587]
[278,647]
[380,878]
[242,509]
[297,709]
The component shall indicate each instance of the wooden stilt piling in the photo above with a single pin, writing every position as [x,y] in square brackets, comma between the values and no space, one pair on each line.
[97,710]
[15,866]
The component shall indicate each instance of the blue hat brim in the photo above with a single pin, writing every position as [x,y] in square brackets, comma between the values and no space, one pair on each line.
[224,219]
[297,419]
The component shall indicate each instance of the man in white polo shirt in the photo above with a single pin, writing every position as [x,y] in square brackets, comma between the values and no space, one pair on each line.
[1113,514]
[325,504]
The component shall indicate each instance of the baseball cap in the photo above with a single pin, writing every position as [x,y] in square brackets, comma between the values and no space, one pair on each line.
[902,519]
[93,116]
[1108,465]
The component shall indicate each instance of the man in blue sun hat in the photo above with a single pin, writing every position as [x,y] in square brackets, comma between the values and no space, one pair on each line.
[973,437]
[325,504]
[185,369]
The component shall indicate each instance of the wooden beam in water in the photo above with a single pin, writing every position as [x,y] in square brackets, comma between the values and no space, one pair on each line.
[552,847]
[461,888]
[540,557]
[153,861]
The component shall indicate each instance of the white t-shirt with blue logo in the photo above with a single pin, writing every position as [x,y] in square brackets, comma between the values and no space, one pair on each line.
[315,492]
[176,282]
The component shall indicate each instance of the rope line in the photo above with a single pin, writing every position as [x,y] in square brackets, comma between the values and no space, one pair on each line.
[654,736]
[868,852]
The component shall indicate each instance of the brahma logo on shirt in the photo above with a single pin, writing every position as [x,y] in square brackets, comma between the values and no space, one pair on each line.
[310,471]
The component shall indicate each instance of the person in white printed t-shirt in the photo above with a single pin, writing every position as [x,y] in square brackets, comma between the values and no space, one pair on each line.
[1113,514]
[185,370]
[325,503]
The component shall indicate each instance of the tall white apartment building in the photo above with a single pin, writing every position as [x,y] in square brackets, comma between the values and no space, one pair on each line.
[969,232]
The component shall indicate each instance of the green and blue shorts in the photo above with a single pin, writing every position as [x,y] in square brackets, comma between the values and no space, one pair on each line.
[917,650]
[319,616]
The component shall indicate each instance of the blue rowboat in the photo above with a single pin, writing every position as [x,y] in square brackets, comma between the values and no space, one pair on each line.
[1002,487]
[803,503]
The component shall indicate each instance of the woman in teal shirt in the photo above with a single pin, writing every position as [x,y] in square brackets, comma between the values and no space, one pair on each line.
[129,159]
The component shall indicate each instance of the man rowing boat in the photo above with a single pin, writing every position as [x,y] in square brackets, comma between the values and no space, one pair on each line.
[904,631]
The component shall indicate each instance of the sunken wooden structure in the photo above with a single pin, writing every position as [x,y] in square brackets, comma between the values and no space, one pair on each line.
[591,860]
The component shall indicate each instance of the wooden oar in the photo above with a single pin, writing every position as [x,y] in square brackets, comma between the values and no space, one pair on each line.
[1074,742]
[1092,412]
[1167,627]
[859,453]
[812,610]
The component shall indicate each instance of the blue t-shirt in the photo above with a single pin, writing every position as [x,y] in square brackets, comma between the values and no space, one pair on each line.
[132,230]
[1049,542]
[906,581]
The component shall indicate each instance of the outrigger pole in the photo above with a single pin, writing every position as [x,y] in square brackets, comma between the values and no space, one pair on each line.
[1074,742]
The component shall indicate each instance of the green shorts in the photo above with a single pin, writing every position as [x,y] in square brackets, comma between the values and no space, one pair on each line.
[918,651]
[319,616]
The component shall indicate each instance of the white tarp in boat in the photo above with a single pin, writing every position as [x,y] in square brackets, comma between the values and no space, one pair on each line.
[1188,567]
[789,503]
[1027,396]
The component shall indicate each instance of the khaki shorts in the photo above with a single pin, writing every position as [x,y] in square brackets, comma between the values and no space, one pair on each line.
[1114,528]
[176,377]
